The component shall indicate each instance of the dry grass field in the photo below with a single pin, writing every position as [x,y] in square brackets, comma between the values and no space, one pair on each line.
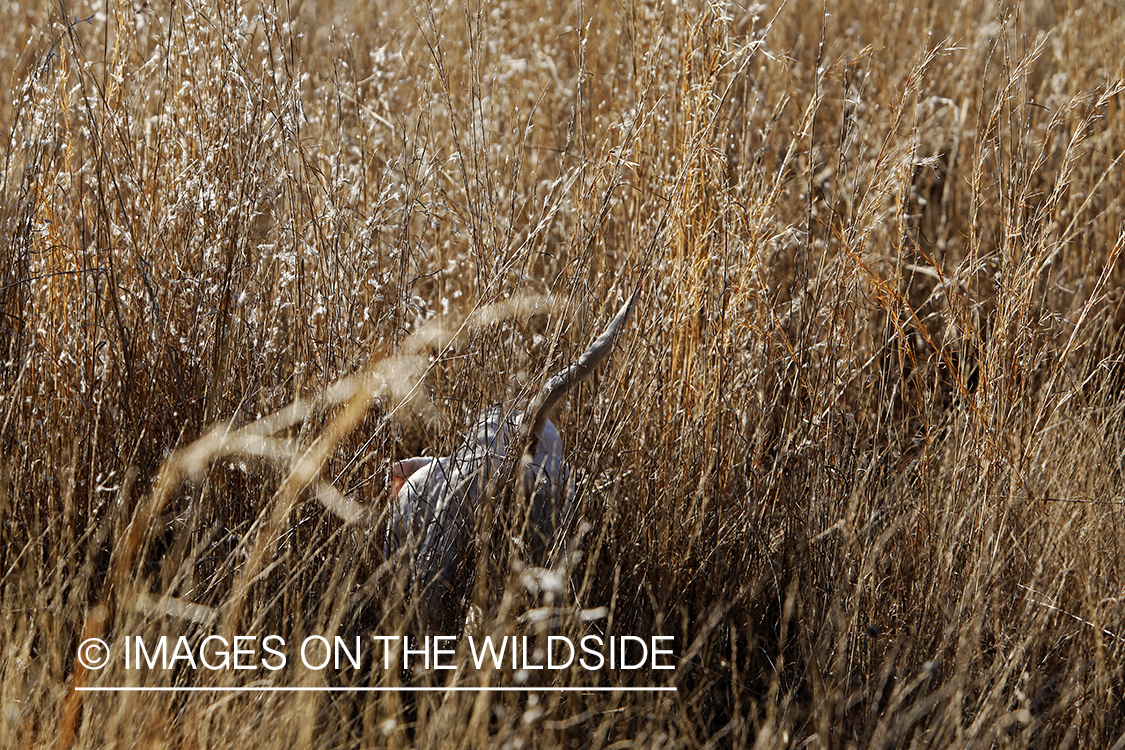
[860,452]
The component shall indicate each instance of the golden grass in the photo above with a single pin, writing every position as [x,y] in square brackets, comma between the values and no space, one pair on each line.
[860,451]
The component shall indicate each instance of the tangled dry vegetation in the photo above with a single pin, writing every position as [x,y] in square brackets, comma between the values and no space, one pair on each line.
[860,452]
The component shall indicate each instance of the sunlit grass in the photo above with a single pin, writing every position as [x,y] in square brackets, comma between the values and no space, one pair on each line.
[859,452]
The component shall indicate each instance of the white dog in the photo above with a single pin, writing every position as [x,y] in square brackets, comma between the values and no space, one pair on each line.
[435,512]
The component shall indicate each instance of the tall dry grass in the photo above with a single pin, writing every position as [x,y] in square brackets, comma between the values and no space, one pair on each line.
[860,452]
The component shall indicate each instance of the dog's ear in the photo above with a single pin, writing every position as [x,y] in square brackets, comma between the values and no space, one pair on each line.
[401,470]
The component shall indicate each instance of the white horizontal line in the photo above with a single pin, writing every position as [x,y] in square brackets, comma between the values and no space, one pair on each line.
[265,689]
